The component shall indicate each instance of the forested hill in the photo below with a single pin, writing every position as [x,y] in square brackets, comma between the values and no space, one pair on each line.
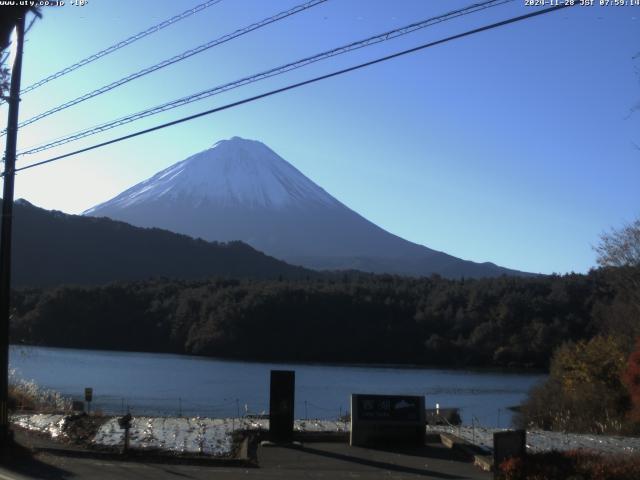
[53,248]
[507,321]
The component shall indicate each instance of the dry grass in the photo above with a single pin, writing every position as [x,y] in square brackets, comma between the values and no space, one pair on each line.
[574,465]
[26,395]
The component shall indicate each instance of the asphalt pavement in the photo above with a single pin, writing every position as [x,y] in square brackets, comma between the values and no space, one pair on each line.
[307,461]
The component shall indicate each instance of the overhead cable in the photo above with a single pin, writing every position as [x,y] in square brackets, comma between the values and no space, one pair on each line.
[382,37]
[121,44]
[298,85]
[177,58]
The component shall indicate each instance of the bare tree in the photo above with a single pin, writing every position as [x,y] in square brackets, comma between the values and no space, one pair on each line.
[621,248]
[5,75]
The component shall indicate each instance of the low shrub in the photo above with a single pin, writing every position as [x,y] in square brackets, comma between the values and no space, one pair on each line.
[584,391]
[27,395]
[571,465]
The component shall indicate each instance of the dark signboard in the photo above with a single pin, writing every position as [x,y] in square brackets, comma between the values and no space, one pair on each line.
[387,419]
[281,405]
[388,407]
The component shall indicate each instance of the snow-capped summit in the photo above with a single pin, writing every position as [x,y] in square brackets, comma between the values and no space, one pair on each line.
[242,190]
[233,172]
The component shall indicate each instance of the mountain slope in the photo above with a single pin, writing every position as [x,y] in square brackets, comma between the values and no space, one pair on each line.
[241,190]
[52,248]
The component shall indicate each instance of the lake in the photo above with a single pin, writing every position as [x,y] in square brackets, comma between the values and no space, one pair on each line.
[165,384]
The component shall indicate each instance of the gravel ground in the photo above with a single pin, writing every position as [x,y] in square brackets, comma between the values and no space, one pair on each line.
[540,440]
[206,436]
[214,437]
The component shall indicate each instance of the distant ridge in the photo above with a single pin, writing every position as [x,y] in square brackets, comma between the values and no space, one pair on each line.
[52,248]
[242,190]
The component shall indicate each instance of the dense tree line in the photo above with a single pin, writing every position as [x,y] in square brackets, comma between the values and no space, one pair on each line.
[507,321]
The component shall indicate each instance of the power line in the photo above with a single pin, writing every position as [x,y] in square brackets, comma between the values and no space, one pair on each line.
[121,44]
[177,58]
[299,84]
[382,37]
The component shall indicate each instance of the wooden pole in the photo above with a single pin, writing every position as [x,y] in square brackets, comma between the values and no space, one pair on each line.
[5,233]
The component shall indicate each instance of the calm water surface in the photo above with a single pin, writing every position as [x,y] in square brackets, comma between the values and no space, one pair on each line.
[164,384]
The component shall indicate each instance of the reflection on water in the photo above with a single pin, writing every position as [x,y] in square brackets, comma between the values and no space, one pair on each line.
[164,384]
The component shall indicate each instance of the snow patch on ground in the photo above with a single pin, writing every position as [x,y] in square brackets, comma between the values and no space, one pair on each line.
[51,424]
[317,426]
[214,436]
[542,440]
[208,436]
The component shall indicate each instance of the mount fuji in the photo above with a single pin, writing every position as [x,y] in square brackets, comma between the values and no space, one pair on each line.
[242,190]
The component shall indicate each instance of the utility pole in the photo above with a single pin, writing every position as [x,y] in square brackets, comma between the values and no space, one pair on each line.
[5,234]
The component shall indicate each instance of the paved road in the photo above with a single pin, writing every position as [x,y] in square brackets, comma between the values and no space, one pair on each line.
[311,461]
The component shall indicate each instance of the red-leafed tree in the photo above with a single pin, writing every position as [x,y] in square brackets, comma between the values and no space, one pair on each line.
[631,378]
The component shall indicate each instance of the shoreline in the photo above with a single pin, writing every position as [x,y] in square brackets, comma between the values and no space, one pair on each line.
[390,366]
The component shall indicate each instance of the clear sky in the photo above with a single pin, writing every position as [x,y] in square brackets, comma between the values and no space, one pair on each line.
[516,146]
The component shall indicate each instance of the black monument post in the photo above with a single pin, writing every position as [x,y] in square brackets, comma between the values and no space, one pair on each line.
[281,401]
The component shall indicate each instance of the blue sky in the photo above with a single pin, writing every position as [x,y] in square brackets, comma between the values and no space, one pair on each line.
[514,146]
